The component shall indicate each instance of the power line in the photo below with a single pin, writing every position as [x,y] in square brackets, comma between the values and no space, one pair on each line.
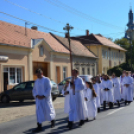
[40,14]
[83,15]
[31,22]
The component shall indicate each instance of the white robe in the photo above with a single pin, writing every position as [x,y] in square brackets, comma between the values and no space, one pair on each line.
[123,92]
[91,104]
[107,95]
[66,101]
[128,94]
[116,89]
[44,108]
[79,98]
[97,90]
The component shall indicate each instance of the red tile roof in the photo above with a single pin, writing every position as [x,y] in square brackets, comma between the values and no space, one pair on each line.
[15,35]
[76,46]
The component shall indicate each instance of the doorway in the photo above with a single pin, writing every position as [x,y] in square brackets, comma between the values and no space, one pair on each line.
[58,80]
[5,80]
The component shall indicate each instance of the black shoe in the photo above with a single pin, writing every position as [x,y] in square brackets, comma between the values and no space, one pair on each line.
[81,123]
[104,105]
[98,110]
[70,125]
[52,123]
[111,105]
[38,129]
[118,104]
[125,102]
[86,120]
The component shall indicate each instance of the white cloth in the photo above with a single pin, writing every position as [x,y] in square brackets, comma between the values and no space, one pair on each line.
[66,101]
[107,95]
[73,116]
[79,98]
[123,92]
[44,108]
[128,94]
[97,90]
[91,104]
[116,89]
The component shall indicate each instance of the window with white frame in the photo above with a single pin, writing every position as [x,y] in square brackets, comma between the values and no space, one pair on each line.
[14,74]
[64,72]
[88,71]
[83,71]
[41,50]
[93,71]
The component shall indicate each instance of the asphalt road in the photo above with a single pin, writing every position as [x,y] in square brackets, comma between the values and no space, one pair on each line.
[114,121]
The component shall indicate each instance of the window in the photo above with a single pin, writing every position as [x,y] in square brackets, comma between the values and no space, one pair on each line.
[93,72]
[14,74]
[64,72]
[41,50]
[20,86]
[88,71]
[83,71]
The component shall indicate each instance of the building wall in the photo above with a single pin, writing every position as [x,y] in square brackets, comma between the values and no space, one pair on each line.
[85,63]
[18,57]
[108,57]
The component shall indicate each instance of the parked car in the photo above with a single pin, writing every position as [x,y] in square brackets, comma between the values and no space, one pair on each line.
[61,84]
[23,91]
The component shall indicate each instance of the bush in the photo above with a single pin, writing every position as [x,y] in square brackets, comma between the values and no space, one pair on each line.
[118,69]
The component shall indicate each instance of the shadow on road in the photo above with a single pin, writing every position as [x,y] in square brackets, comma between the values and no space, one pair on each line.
[62,123]
[16,104]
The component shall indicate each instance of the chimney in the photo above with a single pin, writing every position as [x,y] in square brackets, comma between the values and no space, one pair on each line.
[87,32]
[66,35]
[34,28]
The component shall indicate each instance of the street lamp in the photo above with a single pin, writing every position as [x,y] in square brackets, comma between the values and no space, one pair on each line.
[68,28]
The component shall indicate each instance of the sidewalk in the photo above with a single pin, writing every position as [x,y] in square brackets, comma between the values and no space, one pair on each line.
[16,110]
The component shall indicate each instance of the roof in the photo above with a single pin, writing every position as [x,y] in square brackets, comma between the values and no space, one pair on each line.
[76,46]
[97,39]
[15,35]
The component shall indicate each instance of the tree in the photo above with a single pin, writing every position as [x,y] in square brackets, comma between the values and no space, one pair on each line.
[126,45]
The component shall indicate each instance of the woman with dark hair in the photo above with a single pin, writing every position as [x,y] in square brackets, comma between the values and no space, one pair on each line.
[116,89]
[107,92]
[90,98]
[97,90]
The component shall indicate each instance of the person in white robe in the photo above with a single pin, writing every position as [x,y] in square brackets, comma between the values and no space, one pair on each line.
[65,93]
[107,92]
[79,97]
[44,107]
[90,98]
[97,90]
[116,89]
[123,92]
[128,82]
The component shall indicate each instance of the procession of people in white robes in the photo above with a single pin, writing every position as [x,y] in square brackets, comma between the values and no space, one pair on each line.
[83,99]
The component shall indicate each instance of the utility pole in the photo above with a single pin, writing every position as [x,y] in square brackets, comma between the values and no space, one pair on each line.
[68,28]
[25,28]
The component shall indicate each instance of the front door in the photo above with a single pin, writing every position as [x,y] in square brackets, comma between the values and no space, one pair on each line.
[5,80]
[58,75]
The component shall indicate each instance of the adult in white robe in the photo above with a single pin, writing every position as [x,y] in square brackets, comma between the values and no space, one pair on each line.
[91,104]
[42,94]
[107,92]
[116,89]
[123,92]
[128,82]
[79,97]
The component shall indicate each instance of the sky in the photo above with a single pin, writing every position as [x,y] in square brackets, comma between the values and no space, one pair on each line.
[106,17]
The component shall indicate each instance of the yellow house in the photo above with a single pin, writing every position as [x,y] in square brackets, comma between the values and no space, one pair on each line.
[22,51]
[109,54]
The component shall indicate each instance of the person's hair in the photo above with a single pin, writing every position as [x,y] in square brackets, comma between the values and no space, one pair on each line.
[38,71]
[98,81]
[108,78]
[114,74]
[76,70]
[127,72]
[92,88]
[93,79]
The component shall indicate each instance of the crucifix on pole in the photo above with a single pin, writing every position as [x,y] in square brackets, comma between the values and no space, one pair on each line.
[68,28]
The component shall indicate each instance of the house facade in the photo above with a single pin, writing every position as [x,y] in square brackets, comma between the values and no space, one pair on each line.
[109,54]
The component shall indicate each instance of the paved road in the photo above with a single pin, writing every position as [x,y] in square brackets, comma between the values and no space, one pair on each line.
[115,121]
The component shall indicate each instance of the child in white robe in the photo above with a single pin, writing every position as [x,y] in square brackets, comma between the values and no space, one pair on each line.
[90,98]
[65,93]
[97,90]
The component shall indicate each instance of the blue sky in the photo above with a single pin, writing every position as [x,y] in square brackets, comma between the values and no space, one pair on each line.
[113,12]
